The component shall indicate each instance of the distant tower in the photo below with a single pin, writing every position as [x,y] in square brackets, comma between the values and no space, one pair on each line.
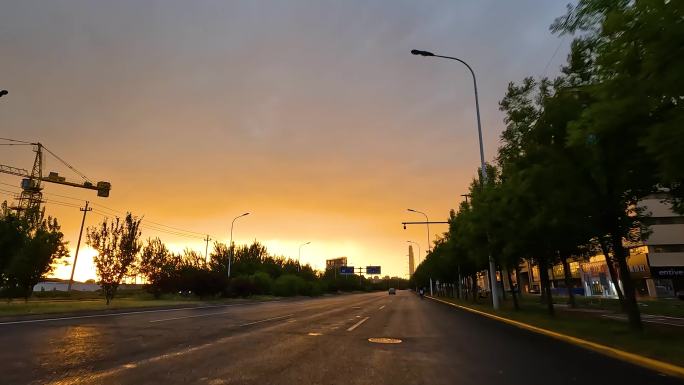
[412,267]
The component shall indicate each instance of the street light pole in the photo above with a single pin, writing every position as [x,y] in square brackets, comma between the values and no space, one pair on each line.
[427,223]
[492,266]
[299,255]
[232,247]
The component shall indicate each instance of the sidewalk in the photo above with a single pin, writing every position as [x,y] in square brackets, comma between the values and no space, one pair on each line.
[649,318]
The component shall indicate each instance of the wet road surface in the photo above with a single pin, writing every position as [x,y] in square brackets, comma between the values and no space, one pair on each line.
[303,341]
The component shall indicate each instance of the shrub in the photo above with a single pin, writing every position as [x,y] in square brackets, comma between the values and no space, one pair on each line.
[262,283]
[288,285]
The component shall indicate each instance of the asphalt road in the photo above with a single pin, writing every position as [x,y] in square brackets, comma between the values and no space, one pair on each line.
[307,341]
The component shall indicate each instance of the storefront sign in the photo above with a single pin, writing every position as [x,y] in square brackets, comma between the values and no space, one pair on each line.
[667,271]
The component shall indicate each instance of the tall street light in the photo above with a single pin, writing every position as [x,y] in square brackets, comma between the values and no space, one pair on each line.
[232,247]
[417,245]
[299,255]
[492,266]
[427,223]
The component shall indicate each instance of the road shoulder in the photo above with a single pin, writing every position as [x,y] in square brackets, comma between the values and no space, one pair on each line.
[649,363]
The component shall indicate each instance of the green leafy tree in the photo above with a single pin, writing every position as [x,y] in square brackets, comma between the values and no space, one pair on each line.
[117,243]
[156,265]
[32,250]
[12,236]
[626,65]
[545,194]
[635,57]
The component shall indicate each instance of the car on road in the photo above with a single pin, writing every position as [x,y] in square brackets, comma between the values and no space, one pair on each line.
[392,291]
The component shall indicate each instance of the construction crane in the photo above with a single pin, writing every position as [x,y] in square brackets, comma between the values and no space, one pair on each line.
[31,195]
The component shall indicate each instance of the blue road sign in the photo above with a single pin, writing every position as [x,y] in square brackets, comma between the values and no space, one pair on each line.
[372,269]
[346,269]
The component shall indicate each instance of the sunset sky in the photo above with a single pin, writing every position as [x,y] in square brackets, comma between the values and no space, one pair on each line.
[311,115]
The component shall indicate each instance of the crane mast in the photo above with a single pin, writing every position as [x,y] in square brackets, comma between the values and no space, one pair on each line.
[31,190]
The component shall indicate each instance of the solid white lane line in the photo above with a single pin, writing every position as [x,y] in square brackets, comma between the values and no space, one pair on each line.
[357,324]
[266,320]
[120,314]
[381,307]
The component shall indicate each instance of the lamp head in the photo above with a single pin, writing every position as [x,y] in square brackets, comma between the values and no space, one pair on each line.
[421,53]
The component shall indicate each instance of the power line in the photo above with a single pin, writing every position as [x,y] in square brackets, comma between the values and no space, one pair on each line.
[61,203]
[9,184]
[9,191]
[65,196]
[154,223]
[153,228]
[17,141]
[156,226]
[554,55]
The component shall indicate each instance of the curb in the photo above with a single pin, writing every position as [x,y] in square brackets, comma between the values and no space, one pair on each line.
[649,363]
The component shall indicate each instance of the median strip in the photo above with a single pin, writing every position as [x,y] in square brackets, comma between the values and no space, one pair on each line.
[649,363]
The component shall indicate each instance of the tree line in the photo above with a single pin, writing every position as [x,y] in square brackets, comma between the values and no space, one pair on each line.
[121,253]
[29,251]
[578,154]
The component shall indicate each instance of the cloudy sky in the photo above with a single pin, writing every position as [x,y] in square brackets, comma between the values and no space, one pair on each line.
[311,115]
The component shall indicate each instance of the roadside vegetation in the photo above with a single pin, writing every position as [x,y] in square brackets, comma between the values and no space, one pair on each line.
[29,251]
[578,154]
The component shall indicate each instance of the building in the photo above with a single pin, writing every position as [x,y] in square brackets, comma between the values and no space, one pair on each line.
[336,263]
[656,264]
[412,266]
[663,249]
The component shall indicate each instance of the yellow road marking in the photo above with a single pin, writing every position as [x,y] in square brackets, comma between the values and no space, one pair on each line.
[636,359]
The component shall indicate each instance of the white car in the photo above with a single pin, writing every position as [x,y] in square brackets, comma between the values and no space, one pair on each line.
[392,291]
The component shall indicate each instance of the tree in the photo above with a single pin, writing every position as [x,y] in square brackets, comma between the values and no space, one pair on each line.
[117,243]
[626,63]
[546,194]
[218,259]
[156,265]
[193,258]
[12,238]
[30,250]
[635,50]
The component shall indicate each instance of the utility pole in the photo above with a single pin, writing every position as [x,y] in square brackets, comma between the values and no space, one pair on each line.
[78,244]
[206,249]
